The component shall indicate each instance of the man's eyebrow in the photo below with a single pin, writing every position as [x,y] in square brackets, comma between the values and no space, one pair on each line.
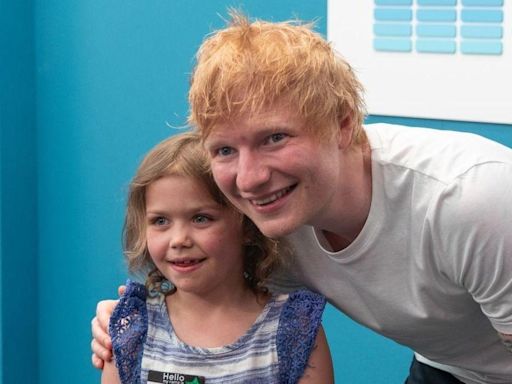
[276,127]
[273,126]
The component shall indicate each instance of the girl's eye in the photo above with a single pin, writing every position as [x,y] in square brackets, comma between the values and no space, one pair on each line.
[201,219]
[159,221]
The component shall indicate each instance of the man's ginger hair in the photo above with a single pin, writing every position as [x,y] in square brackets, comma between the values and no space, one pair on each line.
[248,66]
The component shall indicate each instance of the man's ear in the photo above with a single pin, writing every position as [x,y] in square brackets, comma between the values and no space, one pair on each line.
[345,132]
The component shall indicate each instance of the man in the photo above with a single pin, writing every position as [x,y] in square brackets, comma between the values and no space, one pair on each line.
[406,230]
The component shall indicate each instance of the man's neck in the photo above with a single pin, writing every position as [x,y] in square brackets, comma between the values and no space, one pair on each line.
[355,205]
[336,242]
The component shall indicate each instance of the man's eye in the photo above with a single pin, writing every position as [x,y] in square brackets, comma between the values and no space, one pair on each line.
[225,151]
[276,137]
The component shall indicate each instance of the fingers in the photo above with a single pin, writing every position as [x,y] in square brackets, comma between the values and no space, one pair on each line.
[100,354]
[121,289]
[100,335]
[100,323]
[101,344]
[97,362]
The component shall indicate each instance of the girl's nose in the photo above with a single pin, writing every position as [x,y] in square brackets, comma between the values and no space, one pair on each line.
[180,237]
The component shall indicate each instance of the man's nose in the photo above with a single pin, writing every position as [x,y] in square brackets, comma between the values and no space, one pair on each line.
[252,172]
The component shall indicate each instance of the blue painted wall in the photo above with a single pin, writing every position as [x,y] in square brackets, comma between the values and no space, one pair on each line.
[95,84]
[18,193]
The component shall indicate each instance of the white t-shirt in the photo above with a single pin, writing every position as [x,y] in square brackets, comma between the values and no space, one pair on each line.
[432,267]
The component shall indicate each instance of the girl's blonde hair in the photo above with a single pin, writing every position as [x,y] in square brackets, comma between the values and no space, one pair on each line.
[183,155]
[249,66]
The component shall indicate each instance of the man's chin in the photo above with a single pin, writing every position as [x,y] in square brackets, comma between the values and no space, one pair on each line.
[275,229]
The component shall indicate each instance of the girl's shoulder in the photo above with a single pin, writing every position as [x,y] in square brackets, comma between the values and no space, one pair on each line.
[299,322]
[128,329]
[301,303]
[130,308]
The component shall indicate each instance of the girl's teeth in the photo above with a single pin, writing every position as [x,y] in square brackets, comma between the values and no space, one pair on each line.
[186,262]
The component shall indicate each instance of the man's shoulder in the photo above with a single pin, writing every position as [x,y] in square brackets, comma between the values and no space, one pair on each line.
[439,154]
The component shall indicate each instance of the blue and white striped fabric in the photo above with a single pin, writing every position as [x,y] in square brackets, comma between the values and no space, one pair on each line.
[253,357]
[280,340]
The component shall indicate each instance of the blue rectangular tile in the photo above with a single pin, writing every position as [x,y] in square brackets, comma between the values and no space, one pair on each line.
[436,15]
[481,32]
[482,3]
[481,47]
[392,29]
[437,2]
[393,14]
[481,16]
[435,46]
[436,30]
[393,2]
[392,45]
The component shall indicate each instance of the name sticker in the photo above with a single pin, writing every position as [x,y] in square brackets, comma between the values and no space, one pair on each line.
[155,377]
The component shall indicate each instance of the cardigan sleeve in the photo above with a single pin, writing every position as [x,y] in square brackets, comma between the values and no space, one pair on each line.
[128,329]
[299,322]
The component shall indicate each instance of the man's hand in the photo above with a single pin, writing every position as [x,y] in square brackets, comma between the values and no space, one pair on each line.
[101,344]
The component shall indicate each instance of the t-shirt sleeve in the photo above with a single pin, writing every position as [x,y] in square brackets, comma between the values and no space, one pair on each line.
[472,225]
[128,329]
[299,322]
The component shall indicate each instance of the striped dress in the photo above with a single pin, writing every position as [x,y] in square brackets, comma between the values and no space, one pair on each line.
[275,349]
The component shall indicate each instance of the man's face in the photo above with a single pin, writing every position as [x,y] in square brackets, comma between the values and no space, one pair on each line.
[275,172]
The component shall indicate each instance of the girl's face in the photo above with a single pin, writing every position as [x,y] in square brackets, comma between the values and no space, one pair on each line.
[193,241]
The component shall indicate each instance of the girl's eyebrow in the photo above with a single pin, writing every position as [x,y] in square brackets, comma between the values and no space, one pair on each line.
[196,208]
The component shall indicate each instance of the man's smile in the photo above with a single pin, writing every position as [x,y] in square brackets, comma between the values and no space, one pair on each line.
[273,197]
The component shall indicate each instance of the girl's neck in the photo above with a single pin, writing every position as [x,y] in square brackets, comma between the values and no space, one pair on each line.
[198,303]
[210,320]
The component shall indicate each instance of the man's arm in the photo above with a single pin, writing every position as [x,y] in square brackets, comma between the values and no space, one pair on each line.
[473,225]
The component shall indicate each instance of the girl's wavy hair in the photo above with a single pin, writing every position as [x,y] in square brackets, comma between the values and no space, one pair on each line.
[248,66]
[183,155]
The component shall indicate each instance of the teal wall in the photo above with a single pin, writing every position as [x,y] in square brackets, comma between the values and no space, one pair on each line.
[88,86]
[18,193]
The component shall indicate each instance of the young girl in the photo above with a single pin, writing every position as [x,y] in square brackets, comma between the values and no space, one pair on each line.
[204,315]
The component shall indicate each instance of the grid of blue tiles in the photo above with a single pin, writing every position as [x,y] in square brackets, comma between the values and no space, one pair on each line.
[482,27]
[392,29]
[436,28]
[439,26]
